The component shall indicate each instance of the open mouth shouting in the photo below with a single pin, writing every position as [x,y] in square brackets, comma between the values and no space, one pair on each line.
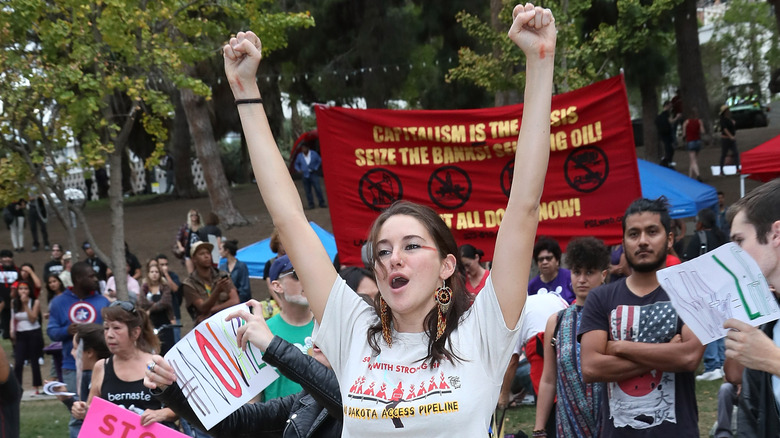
[397,281]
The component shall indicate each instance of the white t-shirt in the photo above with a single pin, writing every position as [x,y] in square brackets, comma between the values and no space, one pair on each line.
[395,393]
[538,309]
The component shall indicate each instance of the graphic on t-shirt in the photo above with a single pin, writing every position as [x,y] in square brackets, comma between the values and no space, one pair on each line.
[395,399]
[646,400]
[82,313]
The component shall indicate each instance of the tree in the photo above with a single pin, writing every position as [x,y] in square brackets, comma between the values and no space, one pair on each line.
[595,39]
[83,73]
[746,38]
[689,66]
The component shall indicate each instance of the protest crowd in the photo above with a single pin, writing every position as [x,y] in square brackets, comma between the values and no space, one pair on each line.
[426,337]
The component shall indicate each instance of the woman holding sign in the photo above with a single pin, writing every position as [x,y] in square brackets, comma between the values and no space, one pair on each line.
[120,378]
[426,365]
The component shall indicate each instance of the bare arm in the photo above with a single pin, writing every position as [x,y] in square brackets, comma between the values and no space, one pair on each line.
[315,270]
[533,30]
[5,367]
[681,354]
[598,366]
[36,280]
[547,385]
[733,371]
[32,313]
[79,409]
[231,301]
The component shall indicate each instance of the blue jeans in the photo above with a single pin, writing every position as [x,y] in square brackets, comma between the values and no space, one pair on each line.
[69,378]
[714,355]
[313,182]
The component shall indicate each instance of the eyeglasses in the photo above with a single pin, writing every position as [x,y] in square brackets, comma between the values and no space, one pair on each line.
[294,275]
[547,258]
[127,306]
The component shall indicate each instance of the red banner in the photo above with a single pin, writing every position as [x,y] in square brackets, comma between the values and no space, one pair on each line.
[460,163]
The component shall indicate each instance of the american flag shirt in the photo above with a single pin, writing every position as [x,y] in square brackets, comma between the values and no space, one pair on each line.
[653,403]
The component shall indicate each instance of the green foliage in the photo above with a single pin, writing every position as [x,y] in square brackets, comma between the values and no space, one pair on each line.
[746,38]
[593,40]
[77,72]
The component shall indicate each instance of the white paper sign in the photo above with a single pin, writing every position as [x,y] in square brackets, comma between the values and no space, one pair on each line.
[721,284]
[215,376]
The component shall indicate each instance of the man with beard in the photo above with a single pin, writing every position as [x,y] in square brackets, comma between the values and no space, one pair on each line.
[632,338]
[755,227]
[9,273]
[293,324]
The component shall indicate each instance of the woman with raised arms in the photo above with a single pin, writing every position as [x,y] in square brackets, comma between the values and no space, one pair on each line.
[423,363]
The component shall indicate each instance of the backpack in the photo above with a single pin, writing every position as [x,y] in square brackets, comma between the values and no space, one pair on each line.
[8,215]
[702,241]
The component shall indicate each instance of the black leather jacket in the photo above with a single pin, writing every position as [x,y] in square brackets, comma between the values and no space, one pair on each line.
[758,414]
[314,412]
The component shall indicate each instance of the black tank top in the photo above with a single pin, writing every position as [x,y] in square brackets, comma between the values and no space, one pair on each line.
[131,395]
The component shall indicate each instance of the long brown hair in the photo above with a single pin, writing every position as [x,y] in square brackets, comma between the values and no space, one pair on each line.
[147,340]
[446,245]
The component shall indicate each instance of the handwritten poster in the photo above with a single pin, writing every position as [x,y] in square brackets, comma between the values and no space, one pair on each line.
[215,375]
[721,284]
[105,419]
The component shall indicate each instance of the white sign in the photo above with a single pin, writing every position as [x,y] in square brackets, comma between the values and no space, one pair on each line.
[215,375]
[721,284]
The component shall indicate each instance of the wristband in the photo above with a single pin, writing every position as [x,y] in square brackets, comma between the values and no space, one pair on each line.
[248,101]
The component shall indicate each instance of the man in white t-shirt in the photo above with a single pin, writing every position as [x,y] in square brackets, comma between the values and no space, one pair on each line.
[538,309]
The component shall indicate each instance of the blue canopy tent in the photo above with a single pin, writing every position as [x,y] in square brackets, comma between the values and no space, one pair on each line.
[686,196]
[257,254]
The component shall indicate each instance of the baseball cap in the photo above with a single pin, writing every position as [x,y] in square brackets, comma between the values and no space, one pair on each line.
[67,255]
[86,245]
[198,245]
[281,264]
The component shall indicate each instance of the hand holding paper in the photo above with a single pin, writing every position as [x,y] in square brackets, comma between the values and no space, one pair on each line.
[714,287]
[217,365]
[751,347]
[159,376]
[255,330]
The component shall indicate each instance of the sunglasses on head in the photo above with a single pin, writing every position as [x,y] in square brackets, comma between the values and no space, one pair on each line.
[127,306]
[294,275]
[547,258]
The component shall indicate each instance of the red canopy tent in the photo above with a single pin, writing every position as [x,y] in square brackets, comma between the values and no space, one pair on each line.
[761,163]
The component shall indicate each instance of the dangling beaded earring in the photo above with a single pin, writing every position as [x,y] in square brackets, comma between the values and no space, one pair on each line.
[443,297]
[387,331]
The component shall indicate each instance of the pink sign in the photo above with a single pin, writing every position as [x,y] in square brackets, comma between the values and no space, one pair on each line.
[105,419]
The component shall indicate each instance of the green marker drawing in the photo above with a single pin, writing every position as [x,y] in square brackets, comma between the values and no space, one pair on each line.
[750,314]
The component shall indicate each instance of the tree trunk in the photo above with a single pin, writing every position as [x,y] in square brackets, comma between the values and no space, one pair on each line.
[115,200]
[272,101]
[295,118]
[502,97]
[649,109]
[207,150]
[184,185]
[776,9]
[689,67]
